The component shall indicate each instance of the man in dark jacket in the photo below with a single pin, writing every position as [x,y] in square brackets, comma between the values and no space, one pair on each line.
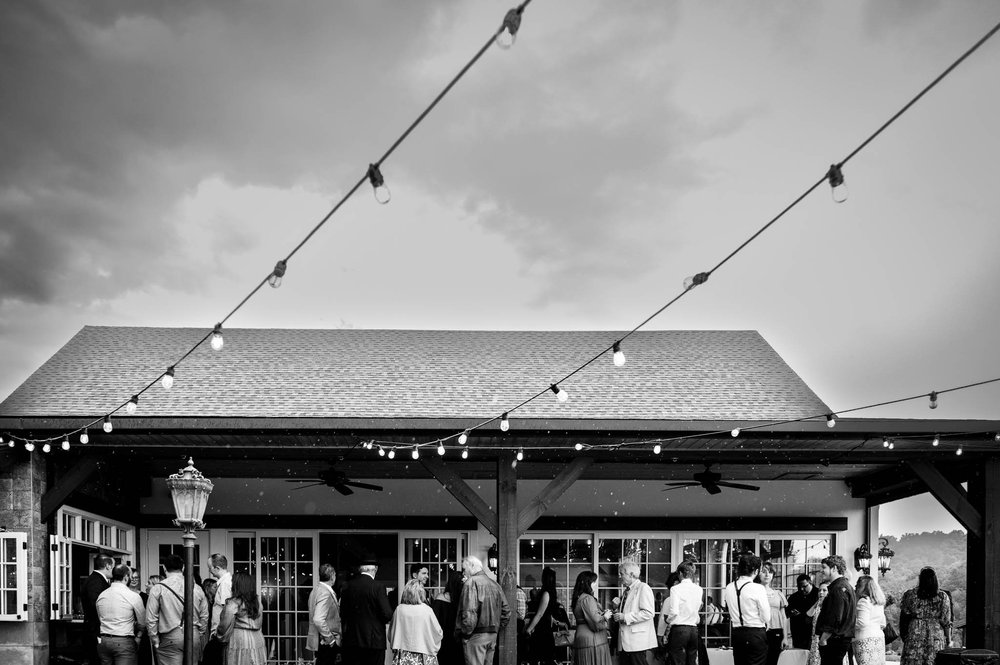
[482,612]
[364,613]
[835,624]
[93,587]
[799,603]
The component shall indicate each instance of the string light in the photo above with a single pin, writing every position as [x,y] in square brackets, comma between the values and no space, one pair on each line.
[885,442]
[463,438]
[695,280]
[579,447]
[838,188]
[392,453]
[504,422]
[465,453]
[958,451]
[933,400]
[830,420]
[65,443]
[168,378]
[279,271]
[996,437]
[132,405]
[29,446]
[508,31]
[560,394]
[520,454]
[381,451]
[46,448]
[657,449]
[441,449]
[735,433]
[107,424]
[10,443]
[618,356]
[217,341]
[381,190]
[415,454]
[937,441]
[892,444]
[84,436]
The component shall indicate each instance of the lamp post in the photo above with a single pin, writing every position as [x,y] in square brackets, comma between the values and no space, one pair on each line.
[189,490]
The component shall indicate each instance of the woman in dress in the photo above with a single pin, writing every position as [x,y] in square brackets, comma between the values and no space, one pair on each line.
[414,632]
[813,612]
[541,645]
[925,620]
[869,640]
[778,634]
[590,646]
[240,624]
[445,608]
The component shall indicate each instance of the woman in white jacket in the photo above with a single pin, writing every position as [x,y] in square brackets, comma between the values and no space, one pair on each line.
[414,634]
[869,640]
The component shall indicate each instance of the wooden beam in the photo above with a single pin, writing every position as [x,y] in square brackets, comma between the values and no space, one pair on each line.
[954,499]
[507,546]
[458,488]
[60,491]
[555,489]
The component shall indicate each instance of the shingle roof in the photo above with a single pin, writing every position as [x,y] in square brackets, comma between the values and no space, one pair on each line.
[265,373]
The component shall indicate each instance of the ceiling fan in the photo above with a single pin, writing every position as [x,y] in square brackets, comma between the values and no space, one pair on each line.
[335,478]
[711,481]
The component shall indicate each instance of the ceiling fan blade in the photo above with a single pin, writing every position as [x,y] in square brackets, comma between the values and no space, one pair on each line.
[712,488]
[303,480]
[364,486]
[343,489]
[679,486]
[686,483]
[738,486]
[302,487]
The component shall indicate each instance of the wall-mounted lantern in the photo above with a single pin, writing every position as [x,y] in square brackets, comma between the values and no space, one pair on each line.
[884,556]
[862,559]
[493,558]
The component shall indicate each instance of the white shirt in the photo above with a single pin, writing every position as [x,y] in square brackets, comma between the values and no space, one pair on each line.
[870,620]
[223,592]
[752,604]
[683,604]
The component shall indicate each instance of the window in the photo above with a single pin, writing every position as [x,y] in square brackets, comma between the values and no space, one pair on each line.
[568,557]
[793,556]
[286,578]
[653,556]
[87,530]
[13,576]
[245,554]
[439,555]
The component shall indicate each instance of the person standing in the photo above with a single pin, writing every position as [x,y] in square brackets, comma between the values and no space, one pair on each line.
[324,618]
[364,613]
[165,614]
[813,614]
[799,622]
[93,587]
[218,568]
[713,617]
[835,625]
[414,634]
[239,625]
[924,620]
[541,644]
[637,635]
[590,644]
[682,615]
[420,573]
[663,620]
[749,611]
[869,640]
[445,608]
[482,612]
[777,633]
[122,618]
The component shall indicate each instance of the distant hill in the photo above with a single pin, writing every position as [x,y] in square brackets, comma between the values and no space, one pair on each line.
[944,552]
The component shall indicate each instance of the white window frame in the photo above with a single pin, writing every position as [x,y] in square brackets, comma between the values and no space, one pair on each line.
[20,608]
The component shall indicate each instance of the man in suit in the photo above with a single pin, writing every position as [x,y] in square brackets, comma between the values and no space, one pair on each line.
[364,613]
[324,618]
[637,634]
[93,587]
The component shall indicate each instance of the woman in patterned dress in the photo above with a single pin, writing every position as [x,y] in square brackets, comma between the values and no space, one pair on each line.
[813,612]
[869,640]
[925,620]
[240,621]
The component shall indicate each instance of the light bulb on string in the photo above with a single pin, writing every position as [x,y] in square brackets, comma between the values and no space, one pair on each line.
[508,32]
[504,422]
[560,394]
[830,420]
[392,453]
[465,453]
[937,441]
[520,454]
[618,356]
[46,448]
[996,437]
[381,451]
[132,405]
[107,424]
[838,188]
[29,446]
[656,449]
[735,433]
[958,451]
[217,341]
[65,443]
[892,445]
[885,442]
[933,400]
[416,453]
[441,449]
[10,443]
[381,190]
[274,279]
[463,438]
[84,436]
[168,378]
[695,280]
[578,447]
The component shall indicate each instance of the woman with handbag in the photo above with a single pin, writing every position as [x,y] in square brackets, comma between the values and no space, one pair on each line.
[541,645]
[869,640]
[590,645]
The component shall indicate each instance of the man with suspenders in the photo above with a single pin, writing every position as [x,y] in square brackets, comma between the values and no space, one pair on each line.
[749,612]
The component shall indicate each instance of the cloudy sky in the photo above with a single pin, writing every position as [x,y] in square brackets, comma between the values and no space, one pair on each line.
[158,158]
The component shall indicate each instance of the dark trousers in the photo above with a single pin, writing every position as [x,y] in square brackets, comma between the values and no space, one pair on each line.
[215,653]
[358,656]
[774,639]
[749,646]
[682,645]
[326,654]
[835,650]
[117,650]
[635,657]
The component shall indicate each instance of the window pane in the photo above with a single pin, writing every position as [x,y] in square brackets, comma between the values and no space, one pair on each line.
[531,551]
[610,550]
[555,551]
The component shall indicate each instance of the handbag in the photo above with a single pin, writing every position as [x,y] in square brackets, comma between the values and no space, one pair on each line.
[890,634]
[563,637]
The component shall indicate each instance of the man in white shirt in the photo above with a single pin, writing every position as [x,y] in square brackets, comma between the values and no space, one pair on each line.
[218,567]
[749,611]
[637,635]
[122,618]
[682,615]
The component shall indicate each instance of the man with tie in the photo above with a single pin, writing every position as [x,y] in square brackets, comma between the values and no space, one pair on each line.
[637,634]
[365,612]
[92,588]
[324,618]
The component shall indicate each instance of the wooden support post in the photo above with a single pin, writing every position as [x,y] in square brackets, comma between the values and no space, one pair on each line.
[555,489]
[507,546]
[983,576]
[459,489]
[952,498]
[872,536]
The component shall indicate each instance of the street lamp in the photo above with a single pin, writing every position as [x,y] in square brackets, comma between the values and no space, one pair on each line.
[862,559]
[884,556]
[189,490]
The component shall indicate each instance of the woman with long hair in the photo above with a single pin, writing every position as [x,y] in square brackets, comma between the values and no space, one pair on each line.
[445,607]
[778,635]
[590,646]
[414,632]
[869,640]
[813,613]
[541,644]
[925,620]
[240,622]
